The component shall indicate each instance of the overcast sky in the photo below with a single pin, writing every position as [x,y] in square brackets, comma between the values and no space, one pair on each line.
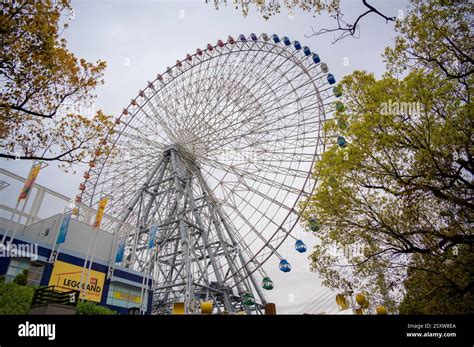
[139,39]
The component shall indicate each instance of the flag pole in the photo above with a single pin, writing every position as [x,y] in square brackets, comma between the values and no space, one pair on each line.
[95,227]
[4,237]
[24,195]
[144,288]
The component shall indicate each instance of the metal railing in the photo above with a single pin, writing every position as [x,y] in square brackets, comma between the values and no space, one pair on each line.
[31,214]
[49,295]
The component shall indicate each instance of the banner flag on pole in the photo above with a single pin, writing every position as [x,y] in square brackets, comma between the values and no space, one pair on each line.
[120,251]
[100,213]
[30,181]
[152,236]
[63,230]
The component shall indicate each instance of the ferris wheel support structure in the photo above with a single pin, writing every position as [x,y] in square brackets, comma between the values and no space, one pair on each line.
[185,227]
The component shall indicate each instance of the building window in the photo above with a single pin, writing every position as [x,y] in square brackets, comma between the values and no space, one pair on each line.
[125,296]
[17,265]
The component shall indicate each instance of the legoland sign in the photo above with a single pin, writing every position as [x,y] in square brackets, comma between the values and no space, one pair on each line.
[67,276]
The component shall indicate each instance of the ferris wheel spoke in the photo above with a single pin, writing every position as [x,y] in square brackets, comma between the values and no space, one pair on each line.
[211,82]
[258,178]
[275,78]
[249,71]
[269,220]
[276,120]
[266,131]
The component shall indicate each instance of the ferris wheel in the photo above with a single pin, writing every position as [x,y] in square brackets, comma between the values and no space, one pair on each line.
[208,164]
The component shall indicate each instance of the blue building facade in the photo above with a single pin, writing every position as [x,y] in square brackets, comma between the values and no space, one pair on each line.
[121,292]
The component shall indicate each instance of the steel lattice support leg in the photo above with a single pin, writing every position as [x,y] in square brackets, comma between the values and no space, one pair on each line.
[195,243]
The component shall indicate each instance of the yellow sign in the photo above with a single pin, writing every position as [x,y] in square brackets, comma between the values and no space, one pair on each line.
[29,181]
[100,213]
[68,277]
[127,297]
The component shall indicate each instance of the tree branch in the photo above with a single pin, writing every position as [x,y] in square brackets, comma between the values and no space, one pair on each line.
[24,110]
[350,29]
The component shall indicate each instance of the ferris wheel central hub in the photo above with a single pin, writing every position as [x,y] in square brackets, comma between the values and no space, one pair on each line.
[170,148]
[189,158]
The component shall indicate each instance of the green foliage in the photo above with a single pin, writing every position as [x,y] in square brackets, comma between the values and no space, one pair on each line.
[89,308]
[14,298]
[271,8]
[399,197]
[435,37]
[39,76]
[22,278]
[447,291]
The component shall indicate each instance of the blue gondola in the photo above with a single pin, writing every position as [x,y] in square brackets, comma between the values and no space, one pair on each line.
[316,58]
[297,45]
[275,38]
[331,79]
[286,41]
[341,141]
[242,38]
[306,51]
[253,37]
[300,246]
[285,265]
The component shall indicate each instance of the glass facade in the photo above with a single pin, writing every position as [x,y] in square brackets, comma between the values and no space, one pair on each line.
[17,265]
[124,296]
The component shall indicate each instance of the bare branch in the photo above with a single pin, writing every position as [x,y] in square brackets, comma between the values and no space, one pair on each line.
[348,29]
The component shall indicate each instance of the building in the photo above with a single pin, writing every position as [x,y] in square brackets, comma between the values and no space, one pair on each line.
[34,248]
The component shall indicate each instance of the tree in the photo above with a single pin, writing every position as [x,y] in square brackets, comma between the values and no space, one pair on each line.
[397,189]
[22,278]
[332,7]
[89,308]
[15,299]
[427,294]
[41,79]
[273,7]
[434,39]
